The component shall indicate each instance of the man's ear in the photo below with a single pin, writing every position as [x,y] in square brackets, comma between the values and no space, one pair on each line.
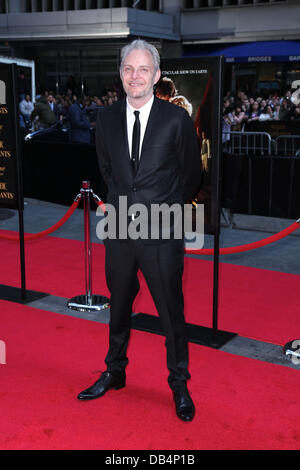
[157,76]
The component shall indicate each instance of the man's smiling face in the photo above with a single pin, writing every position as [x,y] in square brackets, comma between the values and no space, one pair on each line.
[138,77]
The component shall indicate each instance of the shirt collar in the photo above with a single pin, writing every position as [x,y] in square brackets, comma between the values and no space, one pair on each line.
[143,109]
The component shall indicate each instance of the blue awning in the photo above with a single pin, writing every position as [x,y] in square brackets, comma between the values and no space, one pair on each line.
[261,51]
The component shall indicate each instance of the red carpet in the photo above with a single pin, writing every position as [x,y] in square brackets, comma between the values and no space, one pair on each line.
[241,403]
[254,303]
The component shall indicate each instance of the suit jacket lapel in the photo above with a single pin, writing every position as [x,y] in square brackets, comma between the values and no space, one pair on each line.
[125,154]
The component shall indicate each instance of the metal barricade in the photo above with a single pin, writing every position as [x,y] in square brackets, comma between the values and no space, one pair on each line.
[256,144]
[247,143]
[287,145]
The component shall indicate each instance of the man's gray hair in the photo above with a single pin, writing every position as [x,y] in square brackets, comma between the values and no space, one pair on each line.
[142,45]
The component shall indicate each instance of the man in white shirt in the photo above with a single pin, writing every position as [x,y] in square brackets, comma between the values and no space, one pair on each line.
[143,117]
[147,151]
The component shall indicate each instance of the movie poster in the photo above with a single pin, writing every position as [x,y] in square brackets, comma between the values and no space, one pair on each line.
[8,142]
[196,85]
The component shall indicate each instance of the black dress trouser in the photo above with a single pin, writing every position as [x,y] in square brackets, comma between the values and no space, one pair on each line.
[162,267]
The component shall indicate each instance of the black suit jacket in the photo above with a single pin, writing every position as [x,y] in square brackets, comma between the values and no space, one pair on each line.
[170,165]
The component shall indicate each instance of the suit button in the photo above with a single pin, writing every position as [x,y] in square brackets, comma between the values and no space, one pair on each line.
[134,189]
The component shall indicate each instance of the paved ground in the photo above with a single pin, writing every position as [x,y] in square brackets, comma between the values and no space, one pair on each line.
[281,256]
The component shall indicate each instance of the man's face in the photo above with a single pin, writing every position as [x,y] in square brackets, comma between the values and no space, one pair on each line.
[138,77]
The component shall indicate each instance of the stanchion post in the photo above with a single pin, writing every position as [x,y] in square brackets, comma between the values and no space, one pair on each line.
[19,184]
[88,301]
[85,191]
[291,351]
[217,216]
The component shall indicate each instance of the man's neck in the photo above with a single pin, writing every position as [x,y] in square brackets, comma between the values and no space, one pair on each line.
[139,103]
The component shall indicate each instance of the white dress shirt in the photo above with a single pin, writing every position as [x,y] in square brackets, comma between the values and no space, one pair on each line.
[143,117]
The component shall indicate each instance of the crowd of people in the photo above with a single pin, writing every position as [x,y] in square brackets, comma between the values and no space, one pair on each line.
[77,112]
[242,109]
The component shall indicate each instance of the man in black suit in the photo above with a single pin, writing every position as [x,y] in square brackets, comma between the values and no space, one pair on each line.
[79,122]
[161,165]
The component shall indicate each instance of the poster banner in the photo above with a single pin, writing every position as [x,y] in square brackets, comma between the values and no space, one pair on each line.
[8,141]
[196,85]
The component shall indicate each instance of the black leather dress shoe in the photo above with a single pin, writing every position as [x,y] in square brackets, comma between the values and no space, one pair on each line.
[106,381]
[185,408]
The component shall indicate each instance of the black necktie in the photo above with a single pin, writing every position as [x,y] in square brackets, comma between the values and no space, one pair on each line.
[135,143]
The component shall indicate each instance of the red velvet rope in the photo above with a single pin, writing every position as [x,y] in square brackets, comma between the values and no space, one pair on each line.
[249,246]
[34,236]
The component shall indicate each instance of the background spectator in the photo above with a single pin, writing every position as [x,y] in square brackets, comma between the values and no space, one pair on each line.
[43,114]
[165,89]
[253,114]
[53,105]
[262,106]
[26,107]
[276,112]
[79,123]
[267,114]
[239,118]
[227,123]
[23,85]
[296,114]
[284,113]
